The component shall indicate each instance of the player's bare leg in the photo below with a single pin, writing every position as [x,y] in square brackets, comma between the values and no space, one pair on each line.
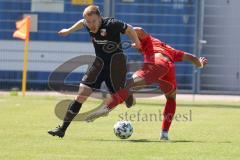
[134,83]
[117,98]
[73,109]
[168,114]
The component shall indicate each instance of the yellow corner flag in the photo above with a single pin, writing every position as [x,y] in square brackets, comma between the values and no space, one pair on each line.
[23,27]
[22,32]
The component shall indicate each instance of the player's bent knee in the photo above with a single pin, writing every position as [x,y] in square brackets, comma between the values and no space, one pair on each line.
[80,99]
[83,93]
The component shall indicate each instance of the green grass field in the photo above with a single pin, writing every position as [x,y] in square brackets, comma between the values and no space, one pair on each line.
[211,131]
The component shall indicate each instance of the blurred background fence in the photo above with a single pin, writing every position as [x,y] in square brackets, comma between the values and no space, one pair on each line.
[202,27]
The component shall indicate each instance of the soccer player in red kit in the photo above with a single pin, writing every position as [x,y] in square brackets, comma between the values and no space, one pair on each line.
[159,68]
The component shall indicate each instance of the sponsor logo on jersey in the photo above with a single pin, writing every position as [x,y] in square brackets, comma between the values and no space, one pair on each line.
[99,41]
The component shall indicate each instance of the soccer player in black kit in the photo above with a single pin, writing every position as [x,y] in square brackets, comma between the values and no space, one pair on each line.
[110,63]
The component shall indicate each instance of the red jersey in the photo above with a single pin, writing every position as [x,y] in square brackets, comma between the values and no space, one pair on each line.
[151,45]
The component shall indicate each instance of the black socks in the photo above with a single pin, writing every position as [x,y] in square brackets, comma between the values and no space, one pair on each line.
[72,111]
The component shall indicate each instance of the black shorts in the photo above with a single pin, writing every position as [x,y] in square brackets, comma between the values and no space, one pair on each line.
[113,74]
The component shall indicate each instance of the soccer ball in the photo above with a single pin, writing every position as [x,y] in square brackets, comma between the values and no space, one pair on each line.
[123,129]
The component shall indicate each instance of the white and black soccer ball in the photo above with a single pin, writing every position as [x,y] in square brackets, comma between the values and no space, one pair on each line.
[123,129]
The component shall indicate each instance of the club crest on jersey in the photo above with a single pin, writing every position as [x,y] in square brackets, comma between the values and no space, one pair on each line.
[103,32]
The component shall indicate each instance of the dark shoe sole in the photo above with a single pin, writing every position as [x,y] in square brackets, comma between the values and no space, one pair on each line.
[54,134]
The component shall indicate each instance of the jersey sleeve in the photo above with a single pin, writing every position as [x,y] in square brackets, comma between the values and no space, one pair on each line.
[118,25]
[178,56]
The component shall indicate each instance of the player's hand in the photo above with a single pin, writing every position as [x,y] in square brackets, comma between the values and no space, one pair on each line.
[137,46]
[64,32]
[203,61]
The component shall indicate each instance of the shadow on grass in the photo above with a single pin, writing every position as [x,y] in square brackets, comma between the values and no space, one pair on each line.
[141,141]
[152,141]
[185,141]
[159,141]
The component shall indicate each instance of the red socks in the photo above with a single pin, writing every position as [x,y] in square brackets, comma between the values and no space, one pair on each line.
[168,114]
[117,98]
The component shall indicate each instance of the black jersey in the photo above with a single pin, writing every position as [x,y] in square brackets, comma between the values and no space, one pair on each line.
[107,40]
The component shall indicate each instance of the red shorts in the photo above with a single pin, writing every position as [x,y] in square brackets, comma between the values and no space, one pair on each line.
[162,72]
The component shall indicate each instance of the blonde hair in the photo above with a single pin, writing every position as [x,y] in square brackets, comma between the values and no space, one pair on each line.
[90,10]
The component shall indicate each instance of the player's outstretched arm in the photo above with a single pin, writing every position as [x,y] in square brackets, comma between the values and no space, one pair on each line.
[198,62]
[78,25]
[130,32]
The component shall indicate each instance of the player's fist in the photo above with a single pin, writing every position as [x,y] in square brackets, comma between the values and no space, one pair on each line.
[64,32]
[203,61]
[137,46]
